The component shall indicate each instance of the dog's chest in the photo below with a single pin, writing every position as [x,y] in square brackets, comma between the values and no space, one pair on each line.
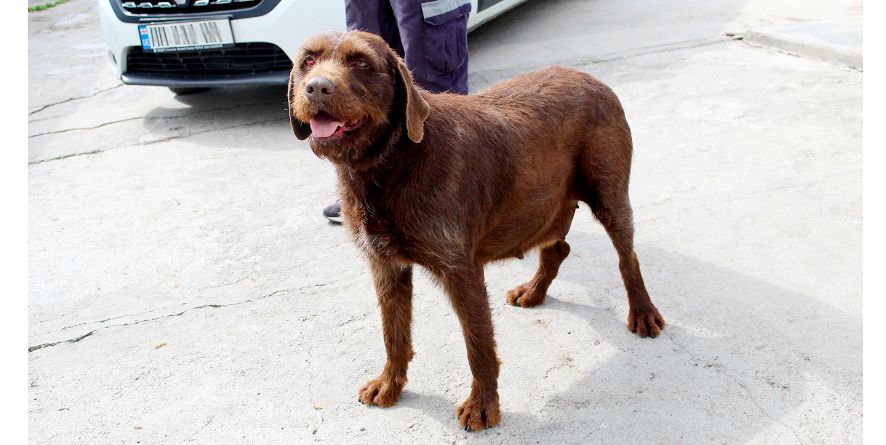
[376,233]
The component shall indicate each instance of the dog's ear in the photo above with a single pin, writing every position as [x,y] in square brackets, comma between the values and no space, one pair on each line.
[417,109]
[301,129]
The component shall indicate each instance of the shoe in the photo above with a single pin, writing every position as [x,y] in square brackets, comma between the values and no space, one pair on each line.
[332,212]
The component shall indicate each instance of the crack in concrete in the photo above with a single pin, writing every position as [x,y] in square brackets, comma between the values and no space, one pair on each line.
[104,124]
[654,49]
[71,155]
[156,141]
[174,116]
[352,319]
[72,340]
[71,99]
[787,52]
[720,370]
[198,292]
[208,421]
[204,306]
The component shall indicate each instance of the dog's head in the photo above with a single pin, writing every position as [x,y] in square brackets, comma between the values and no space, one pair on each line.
[349,90]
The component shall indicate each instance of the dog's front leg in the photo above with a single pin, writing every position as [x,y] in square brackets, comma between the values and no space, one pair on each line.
[393,285]
[467,292]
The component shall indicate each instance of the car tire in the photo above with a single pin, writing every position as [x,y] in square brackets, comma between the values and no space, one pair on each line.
[184,91]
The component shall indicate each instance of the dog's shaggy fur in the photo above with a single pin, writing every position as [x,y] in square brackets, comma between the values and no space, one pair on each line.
[452,182]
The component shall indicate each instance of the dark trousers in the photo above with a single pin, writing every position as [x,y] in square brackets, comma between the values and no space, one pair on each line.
[431,36]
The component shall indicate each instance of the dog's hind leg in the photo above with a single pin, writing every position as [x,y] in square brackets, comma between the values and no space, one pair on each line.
[393,285]
[604,171]
[550,255]
[608,199]
[534,292]
[643,317]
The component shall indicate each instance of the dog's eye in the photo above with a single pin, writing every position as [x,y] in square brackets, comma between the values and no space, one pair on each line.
[309,61]
[359,63]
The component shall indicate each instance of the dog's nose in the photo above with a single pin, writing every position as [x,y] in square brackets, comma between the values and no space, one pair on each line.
[319,87]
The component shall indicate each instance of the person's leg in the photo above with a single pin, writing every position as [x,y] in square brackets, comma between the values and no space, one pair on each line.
[435,42]
[432,37]
[375,16]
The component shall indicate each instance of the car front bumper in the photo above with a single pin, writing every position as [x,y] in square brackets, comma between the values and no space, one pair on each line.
[286,26]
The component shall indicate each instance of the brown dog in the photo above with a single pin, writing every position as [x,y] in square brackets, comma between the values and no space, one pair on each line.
[453,182]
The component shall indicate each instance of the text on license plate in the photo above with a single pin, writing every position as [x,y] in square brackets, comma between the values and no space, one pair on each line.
[183,36]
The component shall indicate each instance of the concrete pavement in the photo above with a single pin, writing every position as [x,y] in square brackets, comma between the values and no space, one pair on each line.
[184,288]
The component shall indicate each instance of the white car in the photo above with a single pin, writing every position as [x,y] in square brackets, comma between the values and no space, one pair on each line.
[193,44]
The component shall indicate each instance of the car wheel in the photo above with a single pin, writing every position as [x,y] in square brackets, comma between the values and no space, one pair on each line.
[183,91]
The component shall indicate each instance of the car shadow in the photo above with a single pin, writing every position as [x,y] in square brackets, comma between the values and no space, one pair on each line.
[220,97]
[247,117]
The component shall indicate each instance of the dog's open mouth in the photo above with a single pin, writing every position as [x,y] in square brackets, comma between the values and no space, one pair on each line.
[327,126]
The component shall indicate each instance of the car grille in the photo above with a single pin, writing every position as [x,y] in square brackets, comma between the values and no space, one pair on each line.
[165,7]
[240,60]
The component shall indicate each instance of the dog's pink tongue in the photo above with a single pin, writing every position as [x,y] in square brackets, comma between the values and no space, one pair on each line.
[324,126]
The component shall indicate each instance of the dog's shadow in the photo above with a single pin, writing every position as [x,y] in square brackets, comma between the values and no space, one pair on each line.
[735,361]
[442,410]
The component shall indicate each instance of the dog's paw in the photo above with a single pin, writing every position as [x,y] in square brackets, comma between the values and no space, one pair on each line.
[525,295]
[646,322]
[475,414]
[380,392]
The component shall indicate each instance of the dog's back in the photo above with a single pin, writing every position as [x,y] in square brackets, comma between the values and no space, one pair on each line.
[517,157]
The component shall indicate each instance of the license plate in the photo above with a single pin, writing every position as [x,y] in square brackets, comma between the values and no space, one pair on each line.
[186,36]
